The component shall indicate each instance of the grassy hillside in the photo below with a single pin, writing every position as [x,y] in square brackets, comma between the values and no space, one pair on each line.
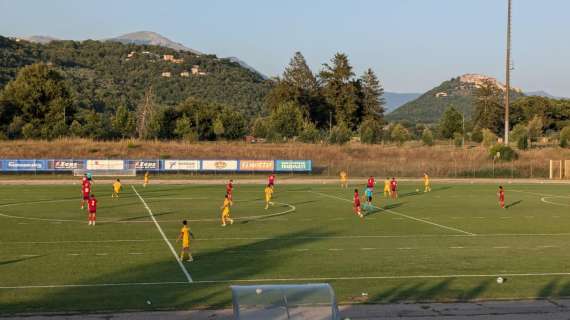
[103,76]
[428,108]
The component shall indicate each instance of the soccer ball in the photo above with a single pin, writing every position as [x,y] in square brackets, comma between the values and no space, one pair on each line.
[500,280]
[258,290]
[417,190]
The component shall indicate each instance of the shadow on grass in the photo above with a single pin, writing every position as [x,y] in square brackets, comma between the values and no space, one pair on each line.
[161,282]
[376,209]
[430,291]
[512,204]
[6,262]
[147,216]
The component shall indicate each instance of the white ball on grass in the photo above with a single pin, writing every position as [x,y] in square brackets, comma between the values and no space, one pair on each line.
[258,290]
[148,302]
[500,280]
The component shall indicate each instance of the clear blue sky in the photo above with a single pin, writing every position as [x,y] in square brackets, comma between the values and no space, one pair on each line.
[412,44]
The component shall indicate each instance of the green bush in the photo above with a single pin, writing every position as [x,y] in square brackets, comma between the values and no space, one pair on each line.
[458,139]
[427,137]
[489,138]
[309,133]
[259,128]
[370,131]
[565,137]
[505,153]
[477,136]
[399,134]
[340,134]
[518,131]
[522,142]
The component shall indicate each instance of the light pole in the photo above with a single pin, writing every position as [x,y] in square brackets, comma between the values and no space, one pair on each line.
[508,73]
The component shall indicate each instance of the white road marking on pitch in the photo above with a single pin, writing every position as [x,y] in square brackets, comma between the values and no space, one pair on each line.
[543,199]
[401,214]
[182,267]
[306,279]
[411,236]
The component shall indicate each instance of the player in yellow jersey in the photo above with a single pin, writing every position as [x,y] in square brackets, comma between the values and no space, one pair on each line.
[343,179]
[117,187]
[226,212]
[387,189]
[427,183]
[185,235]
[268,194]
[146,177]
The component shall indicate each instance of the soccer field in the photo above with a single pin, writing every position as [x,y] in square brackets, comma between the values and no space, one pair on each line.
[447,245]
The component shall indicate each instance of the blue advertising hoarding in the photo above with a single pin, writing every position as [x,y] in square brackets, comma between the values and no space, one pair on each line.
[293,165]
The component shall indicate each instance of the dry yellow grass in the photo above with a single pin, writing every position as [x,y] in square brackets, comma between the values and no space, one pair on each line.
[360,160]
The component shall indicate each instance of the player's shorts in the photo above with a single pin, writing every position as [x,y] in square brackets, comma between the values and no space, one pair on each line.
[92,211]
[186,244]
[369,199]
[85,196]
[357,208]
[271,184]
[225,213]
[267,199]
[393,189]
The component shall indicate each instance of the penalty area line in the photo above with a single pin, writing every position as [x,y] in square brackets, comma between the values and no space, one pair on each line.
[182,267]
[402,215]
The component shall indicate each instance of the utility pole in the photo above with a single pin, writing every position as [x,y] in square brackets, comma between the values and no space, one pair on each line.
[508,73]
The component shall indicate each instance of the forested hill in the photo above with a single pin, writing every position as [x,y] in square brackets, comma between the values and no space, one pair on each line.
[105,75]
[458,92]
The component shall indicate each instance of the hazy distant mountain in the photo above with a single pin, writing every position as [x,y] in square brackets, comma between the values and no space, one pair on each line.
[247,66]
[541,93]
[457,92]
[39,39]
[151,38]
[396,99]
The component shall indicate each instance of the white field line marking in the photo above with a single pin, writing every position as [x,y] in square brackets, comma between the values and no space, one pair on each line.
[543,199]
[135,253]
[456,247]
[540,194]
[501,247]
[490,235]
[367,248]
[101,254]
[402,215]
[307,279]
[256,217]
[182,267]
[95,285]
[73,254]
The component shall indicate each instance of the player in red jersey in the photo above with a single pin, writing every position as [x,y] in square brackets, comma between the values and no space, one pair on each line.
[371,183]
[394,188]
[271,180]
[501,195]
[356,204]
[85,190]
[92,208]
[229,191]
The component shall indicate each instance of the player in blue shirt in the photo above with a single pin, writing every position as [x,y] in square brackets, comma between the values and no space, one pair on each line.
[368,194]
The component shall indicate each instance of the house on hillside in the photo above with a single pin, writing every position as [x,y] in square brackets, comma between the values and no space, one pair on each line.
[196,71]
[166,74]
[170,58]
[185,74]
[441,94]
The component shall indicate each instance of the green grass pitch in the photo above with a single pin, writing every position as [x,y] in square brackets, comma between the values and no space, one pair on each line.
[446,245]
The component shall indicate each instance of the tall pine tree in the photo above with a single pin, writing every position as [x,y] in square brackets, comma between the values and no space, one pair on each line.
[372,95]
[340,91]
